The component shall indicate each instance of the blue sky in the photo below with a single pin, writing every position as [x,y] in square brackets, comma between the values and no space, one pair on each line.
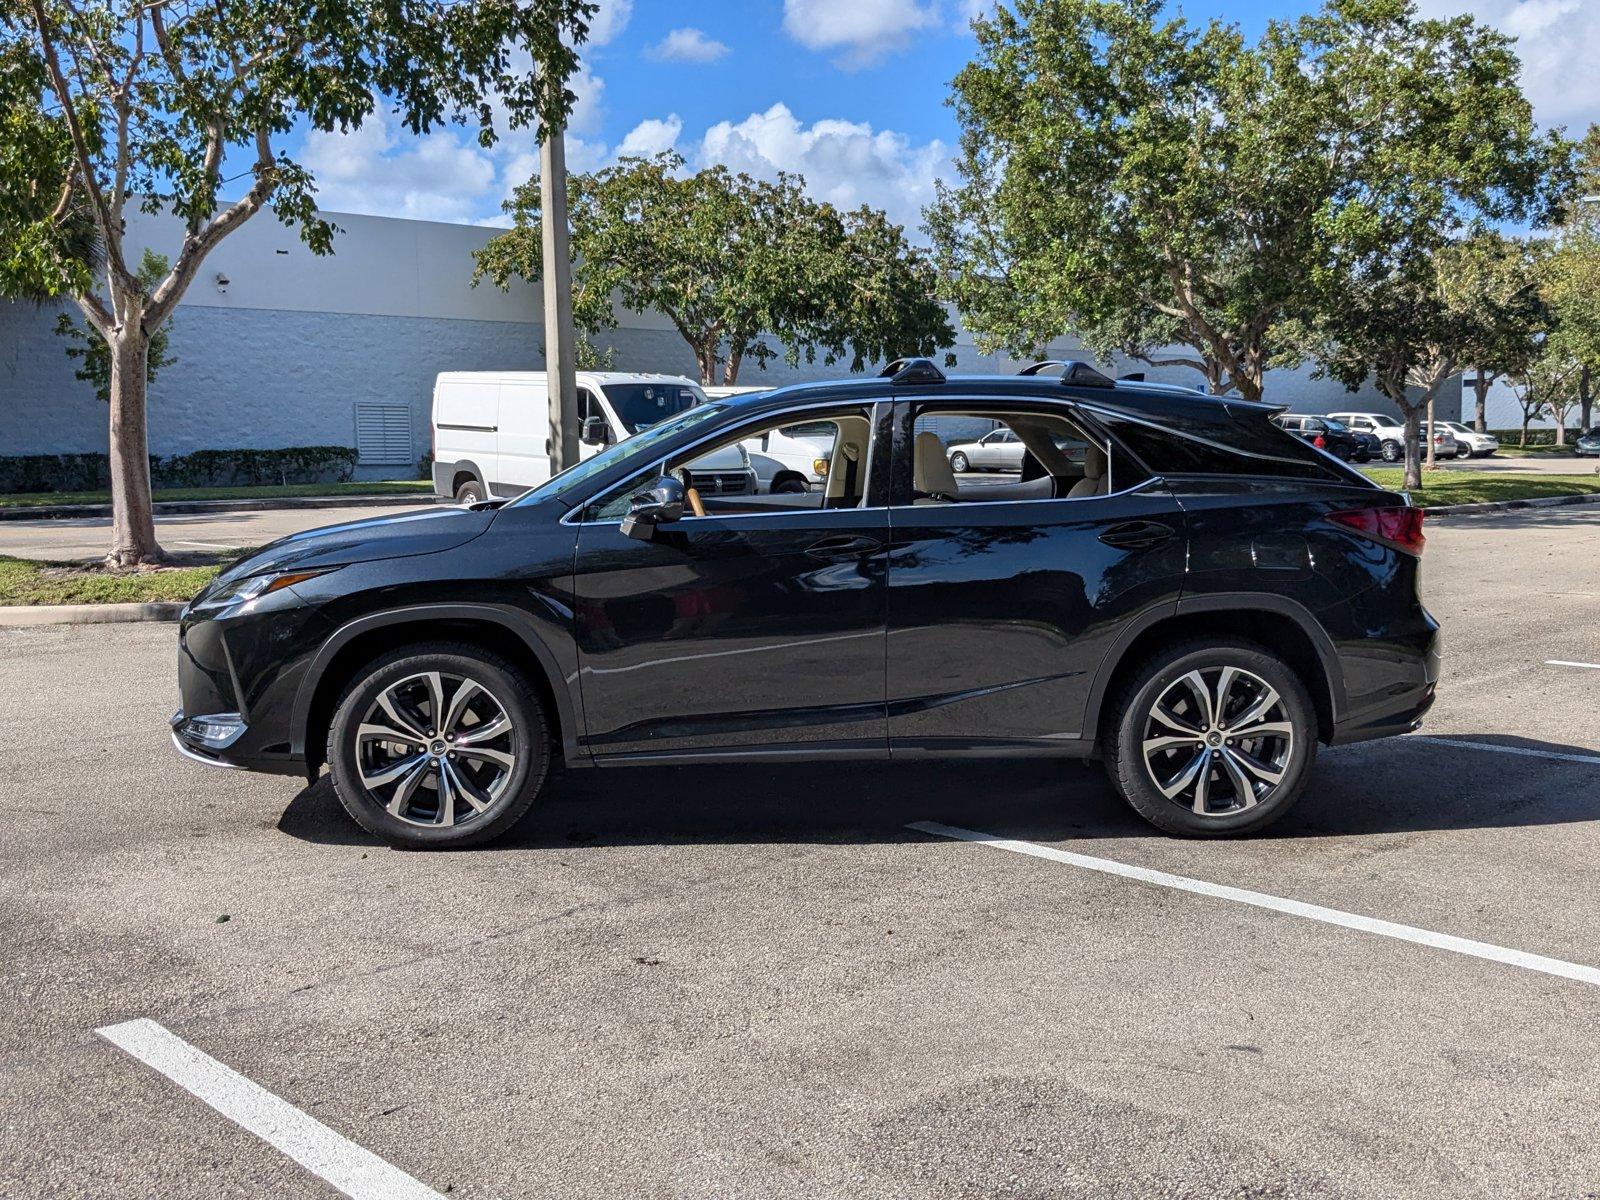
[849,93]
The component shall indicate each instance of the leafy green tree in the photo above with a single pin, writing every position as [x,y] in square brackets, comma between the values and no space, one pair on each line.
[732,262]
[1502,306]
[1571,277]
[92,354]
[159,105]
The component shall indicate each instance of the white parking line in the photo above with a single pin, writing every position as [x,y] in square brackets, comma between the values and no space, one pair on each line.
[1523,751]
[354,1171]
[1297,908]
[205,545]
[1560,662]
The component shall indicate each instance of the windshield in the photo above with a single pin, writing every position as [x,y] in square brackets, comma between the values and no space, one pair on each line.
[638,447]
[1336,426]
[641,405]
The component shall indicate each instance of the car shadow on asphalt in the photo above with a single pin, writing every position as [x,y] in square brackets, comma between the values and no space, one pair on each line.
[1395,786]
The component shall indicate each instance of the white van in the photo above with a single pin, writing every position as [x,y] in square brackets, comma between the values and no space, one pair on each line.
[491,429]
[792,459]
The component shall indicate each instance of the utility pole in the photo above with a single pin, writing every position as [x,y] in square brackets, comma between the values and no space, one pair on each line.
[558,338]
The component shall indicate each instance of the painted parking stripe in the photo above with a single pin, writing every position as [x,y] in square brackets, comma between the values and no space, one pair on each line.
[1522,751]
[1561,662]
[353,1170]
[1296,908]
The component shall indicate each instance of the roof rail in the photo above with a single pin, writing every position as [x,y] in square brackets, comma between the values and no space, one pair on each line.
[912,370]
[1072,371]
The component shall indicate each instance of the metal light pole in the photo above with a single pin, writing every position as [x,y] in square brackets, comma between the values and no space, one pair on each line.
[558,337]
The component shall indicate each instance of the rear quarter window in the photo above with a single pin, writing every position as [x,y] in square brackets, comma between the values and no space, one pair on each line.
[1238,447]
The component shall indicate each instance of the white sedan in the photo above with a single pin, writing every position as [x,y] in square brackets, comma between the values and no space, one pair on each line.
[1001,450]
[1469,442]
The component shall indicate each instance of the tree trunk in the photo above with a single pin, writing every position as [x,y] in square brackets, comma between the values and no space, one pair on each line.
[1480,388]
[133,527]
[1526,417]
[705,358]
[1413,476]
[730,370]
[1560,414]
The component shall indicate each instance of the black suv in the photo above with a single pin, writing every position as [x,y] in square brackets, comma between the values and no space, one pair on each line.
[1327,434]
[1169,582]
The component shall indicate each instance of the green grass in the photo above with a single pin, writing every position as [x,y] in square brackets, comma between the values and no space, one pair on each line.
[1478,487]
[1515,451]
[23,581]
[382,487]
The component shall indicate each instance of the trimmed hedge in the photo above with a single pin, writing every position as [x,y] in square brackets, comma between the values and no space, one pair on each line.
[1536,437]
[203,468]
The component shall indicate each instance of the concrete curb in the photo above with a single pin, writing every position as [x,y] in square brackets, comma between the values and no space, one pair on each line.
[56,512]
[1497,506]
[27,616]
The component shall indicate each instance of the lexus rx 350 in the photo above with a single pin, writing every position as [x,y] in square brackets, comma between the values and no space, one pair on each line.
[1167,582]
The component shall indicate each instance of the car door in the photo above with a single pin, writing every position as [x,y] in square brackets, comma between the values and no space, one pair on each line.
[739,633]
[1001,611]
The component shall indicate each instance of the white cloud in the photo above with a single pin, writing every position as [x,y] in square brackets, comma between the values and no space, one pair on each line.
[1559,44]
[687,45]
[608,24]
[651,137]
[863,30]
[380,169]
[844,162]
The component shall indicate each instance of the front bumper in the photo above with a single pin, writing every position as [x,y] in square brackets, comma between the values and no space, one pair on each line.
[190,740]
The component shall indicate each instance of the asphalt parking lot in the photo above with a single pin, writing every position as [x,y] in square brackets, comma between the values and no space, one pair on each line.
[763,983]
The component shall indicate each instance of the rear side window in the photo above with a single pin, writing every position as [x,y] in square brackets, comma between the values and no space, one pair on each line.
[1252,447]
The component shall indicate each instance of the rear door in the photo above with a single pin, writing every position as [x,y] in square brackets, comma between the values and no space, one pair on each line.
[466,424]
[524,437]
[1001,610]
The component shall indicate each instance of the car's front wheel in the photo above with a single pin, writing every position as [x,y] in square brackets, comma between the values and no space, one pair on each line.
[1392,451]
[438,745]
[1463,452]
[959,463]
[1211,738]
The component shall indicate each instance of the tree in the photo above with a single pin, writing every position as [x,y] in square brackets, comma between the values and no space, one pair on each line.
[1571,278]
[1150,186]
[92,354]
[1442,152]
[158,105]
[732,261]
[1497,287]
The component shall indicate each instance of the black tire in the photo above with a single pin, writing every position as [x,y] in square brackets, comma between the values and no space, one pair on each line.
[471,492]
[504,685]
[959,463]
[1463,452]
[1129,712]
[1391,451]
[789,485]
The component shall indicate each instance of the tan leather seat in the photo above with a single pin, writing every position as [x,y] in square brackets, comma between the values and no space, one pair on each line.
[931,473]
[1094,481]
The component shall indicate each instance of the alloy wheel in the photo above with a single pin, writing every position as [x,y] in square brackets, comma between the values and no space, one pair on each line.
[1218,741]
[436,749]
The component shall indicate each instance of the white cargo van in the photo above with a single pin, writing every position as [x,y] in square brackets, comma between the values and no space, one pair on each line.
[791,459]
[491,429]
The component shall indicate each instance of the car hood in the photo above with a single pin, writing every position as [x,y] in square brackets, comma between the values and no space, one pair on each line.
[424,531]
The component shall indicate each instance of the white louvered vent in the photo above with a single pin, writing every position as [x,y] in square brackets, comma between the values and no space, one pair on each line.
[383,434]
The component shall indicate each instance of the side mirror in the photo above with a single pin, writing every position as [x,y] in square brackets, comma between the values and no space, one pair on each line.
[659,504]
[595,431]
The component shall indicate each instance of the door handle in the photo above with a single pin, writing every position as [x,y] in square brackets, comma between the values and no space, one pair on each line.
[1137,535]
[843,546]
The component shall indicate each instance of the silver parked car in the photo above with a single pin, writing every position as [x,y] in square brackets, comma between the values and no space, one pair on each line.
[1469,442]
[1001,450]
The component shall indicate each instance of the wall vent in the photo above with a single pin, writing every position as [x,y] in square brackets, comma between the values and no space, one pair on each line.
[383,434]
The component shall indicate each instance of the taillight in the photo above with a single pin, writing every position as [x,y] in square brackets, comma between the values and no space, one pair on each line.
[1397,527]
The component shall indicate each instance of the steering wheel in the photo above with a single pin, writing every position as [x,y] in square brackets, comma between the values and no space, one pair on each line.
[696,506]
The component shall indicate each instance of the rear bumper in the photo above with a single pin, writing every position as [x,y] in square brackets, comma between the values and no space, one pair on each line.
[1403,703]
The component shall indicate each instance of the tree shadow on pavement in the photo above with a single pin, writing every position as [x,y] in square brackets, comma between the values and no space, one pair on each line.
[1403,785]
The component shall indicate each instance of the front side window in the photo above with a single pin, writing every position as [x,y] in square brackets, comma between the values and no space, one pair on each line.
[1056,459]
[774,466]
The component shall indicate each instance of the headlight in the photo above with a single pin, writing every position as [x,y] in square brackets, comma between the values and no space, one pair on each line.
[253,587]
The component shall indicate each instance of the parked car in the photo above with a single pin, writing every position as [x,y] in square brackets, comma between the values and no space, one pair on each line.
[784,460]
[491,429]
[1325,434]
[1391,434]
[1001,450]
[1588,443]
[1200,602]
[1469,442]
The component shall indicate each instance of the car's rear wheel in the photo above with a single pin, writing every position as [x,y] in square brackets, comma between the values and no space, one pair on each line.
[1391,452]
[471,492]
[1211,738]
[438,745]
[1463,451]
[959,463]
